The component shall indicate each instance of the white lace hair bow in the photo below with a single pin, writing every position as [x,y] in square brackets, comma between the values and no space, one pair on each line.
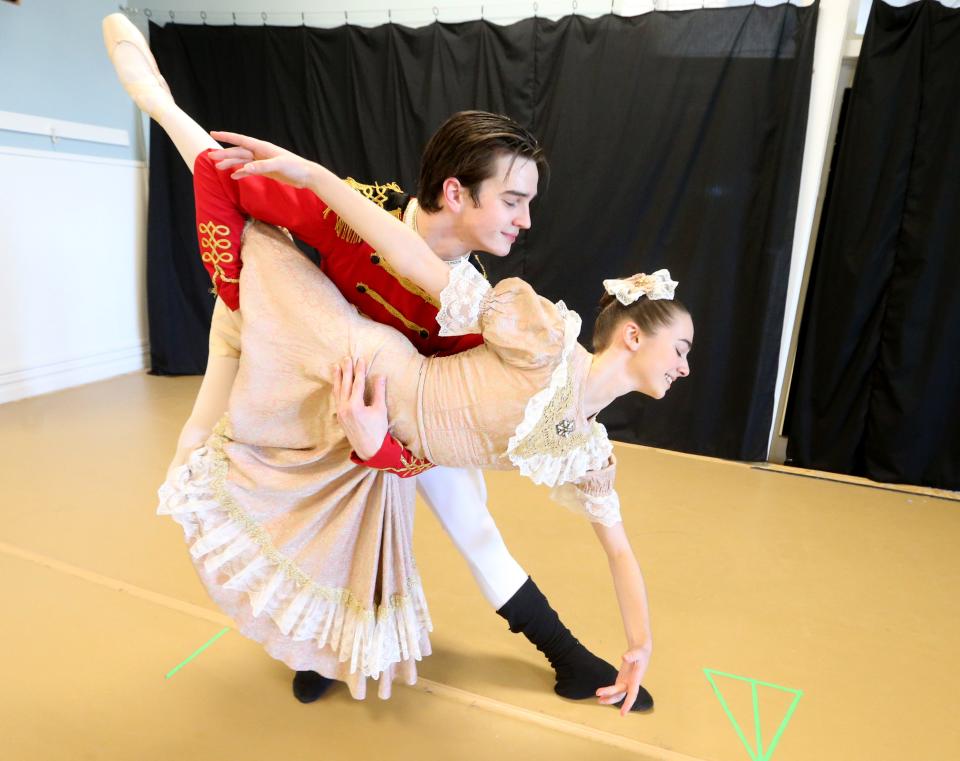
[655,286]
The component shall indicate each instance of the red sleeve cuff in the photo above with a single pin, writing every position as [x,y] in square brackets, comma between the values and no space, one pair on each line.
[393,457]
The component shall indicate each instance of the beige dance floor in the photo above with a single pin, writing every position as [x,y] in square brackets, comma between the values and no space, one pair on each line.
[847,593]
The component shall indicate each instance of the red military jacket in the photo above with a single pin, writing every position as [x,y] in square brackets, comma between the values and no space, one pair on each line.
[364,278]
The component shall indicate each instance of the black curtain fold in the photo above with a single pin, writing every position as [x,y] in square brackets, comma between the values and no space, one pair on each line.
[675,140]
[876,390]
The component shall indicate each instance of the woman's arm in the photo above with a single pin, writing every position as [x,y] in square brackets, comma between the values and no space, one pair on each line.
[632,598]
[404,250]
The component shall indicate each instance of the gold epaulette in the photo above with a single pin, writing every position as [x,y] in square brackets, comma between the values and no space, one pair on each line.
[376,193]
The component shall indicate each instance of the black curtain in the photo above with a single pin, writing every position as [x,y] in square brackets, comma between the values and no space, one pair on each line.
[675,140]
[876,390]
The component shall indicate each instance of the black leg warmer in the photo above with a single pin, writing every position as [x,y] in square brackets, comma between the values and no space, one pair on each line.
[579,672]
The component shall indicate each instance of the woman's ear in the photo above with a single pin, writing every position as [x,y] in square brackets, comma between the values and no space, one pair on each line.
[453,194]
[631,335]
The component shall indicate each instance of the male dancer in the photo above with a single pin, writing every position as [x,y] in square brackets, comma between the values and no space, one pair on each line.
[479,173]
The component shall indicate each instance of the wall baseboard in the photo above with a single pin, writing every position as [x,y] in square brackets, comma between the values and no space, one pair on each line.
[56,376]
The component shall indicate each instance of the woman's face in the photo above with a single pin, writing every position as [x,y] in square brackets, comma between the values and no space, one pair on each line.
[660,359]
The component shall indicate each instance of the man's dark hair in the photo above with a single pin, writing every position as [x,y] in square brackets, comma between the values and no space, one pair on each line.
[466,146]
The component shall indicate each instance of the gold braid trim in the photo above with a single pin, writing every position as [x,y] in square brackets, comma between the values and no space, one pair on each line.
[483,270]
[544,438]
[407,284]
[342,597]
[376,193]
[215,251]
[418,329]
[412,467]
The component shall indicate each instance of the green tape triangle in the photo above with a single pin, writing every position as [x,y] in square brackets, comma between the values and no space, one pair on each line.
[755,750]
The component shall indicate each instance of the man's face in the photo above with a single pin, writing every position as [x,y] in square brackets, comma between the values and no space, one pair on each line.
[502,209]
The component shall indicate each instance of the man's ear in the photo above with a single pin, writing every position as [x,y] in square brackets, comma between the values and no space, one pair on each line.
[453,194]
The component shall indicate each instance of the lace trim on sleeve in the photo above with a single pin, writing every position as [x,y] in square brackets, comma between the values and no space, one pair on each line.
[461,301]
[598,509]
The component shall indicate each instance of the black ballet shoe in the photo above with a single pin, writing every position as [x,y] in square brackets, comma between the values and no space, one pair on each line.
[309,686]
[582,680]
[644,702]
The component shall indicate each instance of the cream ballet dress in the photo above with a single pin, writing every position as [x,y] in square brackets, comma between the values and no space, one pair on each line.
[312,555]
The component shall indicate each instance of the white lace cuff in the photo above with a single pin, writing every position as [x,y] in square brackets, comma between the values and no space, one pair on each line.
[461,300]
[605,509]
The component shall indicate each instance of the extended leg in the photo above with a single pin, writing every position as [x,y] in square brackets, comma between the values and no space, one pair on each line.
[140,77]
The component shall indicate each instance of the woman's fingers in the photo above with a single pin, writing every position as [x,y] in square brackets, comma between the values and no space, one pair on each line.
[226,164]
[614,689]
[260,148]
[346,374]
[259,166]
[359,381]
[227,158]
[631,698]
[379,393]
[337,378]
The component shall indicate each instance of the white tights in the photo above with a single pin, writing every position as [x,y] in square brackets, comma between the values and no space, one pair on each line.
[458,497]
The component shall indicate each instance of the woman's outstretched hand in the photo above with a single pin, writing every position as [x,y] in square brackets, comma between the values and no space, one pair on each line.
[632,670]
[364,424]
[258,157]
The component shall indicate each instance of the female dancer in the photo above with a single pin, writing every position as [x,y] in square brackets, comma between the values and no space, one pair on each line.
[283,522]
[525,399]
[472,147]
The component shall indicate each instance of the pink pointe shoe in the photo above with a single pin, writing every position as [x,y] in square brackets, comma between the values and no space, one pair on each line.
[135,65]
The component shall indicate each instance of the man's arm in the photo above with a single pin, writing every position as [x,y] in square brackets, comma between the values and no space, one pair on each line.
[407,253]
[297,209]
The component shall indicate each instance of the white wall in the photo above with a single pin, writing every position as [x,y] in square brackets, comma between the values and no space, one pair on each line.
[72,212]
[72,257]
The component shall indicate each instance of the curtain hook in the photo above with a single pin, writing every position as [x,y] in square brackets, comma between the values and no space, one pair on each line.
[203,17]
[536,7]
[263,17]
[172,17]
[148,13]
[303,18]
[346,18]
[234,14]
[574,6]
[436,14]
